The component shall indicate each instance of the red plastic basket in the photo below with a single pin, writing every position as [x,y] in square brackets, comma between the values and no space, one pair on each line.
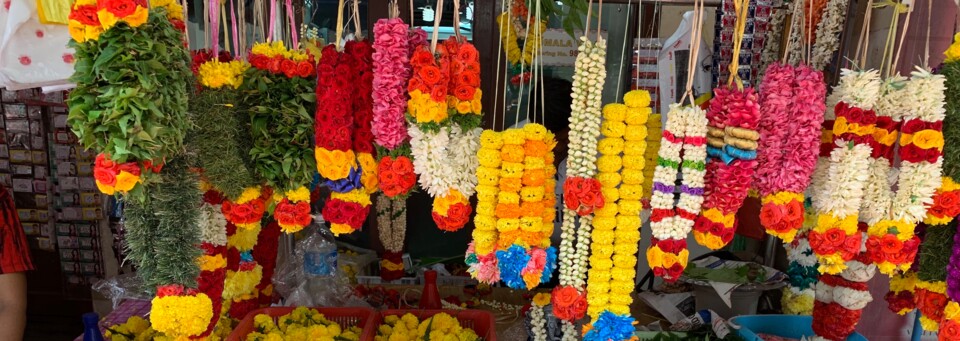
[480,321]
[365,318]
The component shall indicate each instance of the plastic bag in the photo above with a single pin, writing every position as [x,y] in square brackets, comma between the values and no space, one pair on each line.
[122,287]
[311,278]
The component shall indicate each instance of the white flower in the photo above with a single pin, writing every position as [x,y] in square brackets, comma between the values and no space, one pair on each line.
[828,33]
[878,194]
[917,184]
[842,192]
[860,88]
[430,162]
[851,298]
[213,225]
[858,272]
[929,93]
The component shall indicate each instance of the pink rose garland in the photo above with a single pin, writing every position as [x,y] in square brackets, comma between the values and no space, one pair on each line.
[391,66]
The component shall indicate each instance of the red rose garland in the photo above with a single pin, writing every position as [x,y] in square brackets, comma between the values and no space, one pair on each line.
[265,254]
[247,210]
[842,297]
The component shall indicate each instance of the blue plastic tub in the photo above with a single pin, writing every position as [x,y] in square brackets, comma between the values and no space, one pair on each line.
[791,326]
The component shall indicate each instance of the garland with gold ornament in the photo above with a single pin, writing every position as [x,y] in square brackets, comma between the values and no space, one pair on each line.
[835,238]
[277,94]
[892,243]
[138,131]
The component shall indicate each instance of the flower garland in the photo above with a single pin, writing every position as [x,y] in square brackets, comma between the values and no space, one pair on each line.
[798,298]
[877,193]
[524,210]
[392,226]
[788,152]
[683,146]
[247,210]
[281,149]
[244,273]
[654,135]
[610,326]
[617,225]
[480,254]
[581,191]
[900,299]
[511,25]
[732,146]
[931,300]
[538,322]
[161,59]
[391,69]
[179,312]
[112,177]
[828,33]
[950,327]
[441,129]
[892,243]
[213,262]
[841,299]
[835,239]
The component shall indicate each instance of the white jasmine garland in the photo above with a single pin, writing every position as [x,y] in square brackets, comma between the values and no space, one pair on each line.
[569,331]
[463,146]
[859,88]
[928,91]
[878,193]
[917,184]
[828,33]
[430,162]
[771,51]
[842,192]
[538,324]
[213,225]
[391,223]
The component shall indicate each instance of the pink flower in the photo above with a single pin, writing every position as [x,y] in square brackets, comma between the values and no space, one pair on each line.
[391,70]
[538,260]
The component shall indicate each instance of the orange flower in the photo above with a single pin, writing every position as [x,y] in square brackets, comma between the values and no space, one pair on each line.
[429,74]
[510,184]
[535,148]
[534,177]
[508,211]
[464,92]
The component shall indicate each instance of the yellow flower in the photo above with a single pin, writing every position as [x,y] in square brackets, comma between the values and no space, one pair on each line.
[514,136]
[126,181]
[612,128]
[339,229]
[953,52]
[928,324]
[630,207]
[608,210]
[244,239]
[635,133]
[181,315]
[299,194]
[106,189]
[928,139]
[609,163]
[610,146]
[491,139]
[615,112]
[604,223]
[637,98]
[609,179]
[631,192]
[211,262]
[939,287]
[139,17]
[335,164]
[952,311]
[511,170]
[535,132]
[632,176]
[634,162]
[610,194]
[368,166]
[355,196]
[249,194]
[832,264]
[239,283]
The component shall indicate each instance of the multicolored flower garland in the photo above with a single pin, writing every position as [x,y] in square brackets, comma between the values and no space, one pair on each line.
[100,116]
[581,191]
[511,24]
[617,225]
[792,111]
[683,146]
[213,262]
[841,299]
[480,254]
[281,149]
[441,134]
[798,298]
[732,147]
[835,239]
[892,243]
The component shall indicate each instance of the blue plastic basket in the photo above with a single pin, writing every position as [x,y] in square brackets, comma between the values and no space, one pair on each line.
[791,326]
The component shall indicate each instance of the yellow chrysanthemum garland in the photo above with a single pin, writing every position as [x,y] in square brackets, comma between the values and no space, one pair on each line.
[215,74]
[654,134]
[617,225]
[488,189]
[181,315]
[508,38]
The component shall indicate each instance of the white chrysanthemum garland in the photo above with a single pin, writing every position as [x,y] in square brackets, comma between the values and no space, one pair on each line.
[892,243]
[588,79]
[837,201]
[672,221]
[828,33]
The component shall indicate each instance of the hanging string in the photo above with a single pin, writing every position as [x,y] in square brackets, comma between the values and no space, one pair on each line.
[293,25]
[809,27]
[226,27]
[926,54]
[522,69]
[543,109]
[273,20]
[623,50]
[695,36]
[740,7]
[411,13]
[506,80]
[586,27]
[888,49]
[242,29]
[339,33]
[537,72]
[357,30]
[233,26]
[903,36]
[790,28]
[214,11]
[437,16]
[456,19]
[864,40]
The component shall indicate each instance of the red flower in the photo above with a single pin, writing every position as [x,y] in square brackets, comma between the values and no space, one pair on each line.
[275,64]
[105,176]
[890,244]
[464,92]
[457,216]
[582,195]
[169,290]
[305,69]
[569,304]
[129,167]
[288,213]
[289,68]
[429,74]
[913,126]
[949,330]
[835,237]
[119,8]
[86,15]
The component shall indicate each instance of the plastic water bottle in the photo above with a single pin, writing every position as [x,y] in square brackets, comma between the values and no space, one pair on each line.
[90,330]
[320,251]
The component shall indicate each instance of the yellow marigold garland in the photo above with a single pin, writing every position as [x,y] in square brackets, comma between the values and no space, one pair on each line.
[181,315]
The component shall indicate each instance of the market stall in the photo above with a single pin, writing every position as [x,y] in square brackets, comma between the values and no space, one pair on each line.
[483,170]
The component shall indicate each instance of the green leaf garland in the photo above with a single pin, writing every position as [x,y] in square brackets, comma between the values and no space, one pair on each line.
[221,141]
[131,95]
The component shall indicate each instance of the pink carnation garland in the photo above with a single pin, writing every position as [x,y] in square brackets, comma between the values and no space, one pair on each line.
[391,65]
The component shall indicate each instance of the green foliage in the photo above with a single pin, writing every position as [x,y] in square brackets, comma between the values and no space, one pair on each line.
[131,95]
[219,141]
[951,124]
[162,231]
[281,112]
[935,251]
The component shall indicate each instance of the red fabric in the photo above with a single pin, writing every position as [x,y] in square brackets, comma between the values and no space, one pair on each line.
[14,249]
